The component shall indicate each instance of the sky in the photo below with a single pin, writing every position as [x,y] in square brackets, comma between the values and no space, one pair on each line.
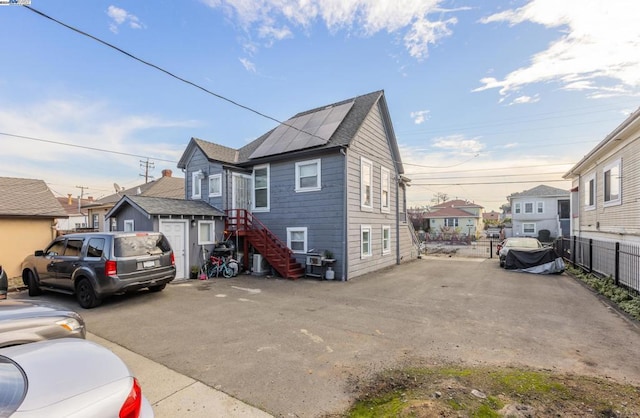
[487,98]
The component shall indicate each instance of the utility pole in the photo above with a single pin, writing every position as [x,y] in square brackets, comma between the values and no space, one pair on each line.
[81,195]
[146,165]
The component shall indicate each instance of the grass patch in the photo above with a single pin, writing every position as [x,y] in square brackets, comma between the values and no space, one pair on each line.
[492,392]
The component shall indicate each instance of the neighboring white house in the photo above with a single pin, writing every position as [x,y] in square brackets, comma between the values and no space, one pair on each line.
[458,217]
[605,194]
[540,208]
[76,212]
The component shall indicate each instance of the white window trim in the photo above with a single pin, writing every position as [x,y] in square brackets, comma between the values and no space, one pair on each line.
[363,206]
[535,228]
[386,249]
[385,185]
[532,208]
[587,180]
[207,240]
[363,229]
[539,207]
[253,191]
[618,201]
[517,208]
[219,178]
[318,185]
[196,179]
[290,230]
[130,224]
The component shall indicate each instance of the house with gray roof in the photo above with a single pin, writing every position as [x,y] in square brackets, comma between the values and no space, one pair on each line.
[28,212]
[328,181]
[542,208]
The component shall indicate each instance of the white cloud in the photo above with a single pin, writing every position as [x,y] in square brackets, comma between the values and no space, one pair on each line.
[458,143]
[248,65]
[598,45]
[420,116]
[526,99]
[120,16]
[365,17]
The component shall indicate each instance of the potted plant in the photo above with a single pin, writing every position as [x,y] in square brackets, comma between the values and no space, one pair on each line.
[194,272]
[328,255]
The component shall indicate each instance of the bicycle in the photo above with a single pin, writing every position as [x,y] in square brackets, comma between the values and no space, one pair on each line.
[216,266]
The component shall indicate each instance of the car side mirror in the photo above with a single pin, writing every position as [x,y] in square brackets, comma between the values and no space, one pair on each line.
[39,253]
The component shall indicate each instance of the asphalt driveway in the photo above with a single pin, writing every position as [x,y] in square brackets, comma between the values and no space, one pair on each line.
[291,348]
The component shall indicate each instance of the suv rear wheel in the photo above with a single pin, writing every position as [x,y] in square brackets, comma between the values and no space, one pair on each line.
[85,294]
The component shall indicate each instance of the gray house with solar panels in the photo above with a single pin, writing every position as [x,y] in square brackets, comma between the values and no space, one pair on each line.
[322,194]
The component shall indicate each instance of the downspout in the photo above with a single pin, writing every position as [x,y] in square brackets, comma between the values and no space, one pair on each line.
[345,220]
[398,258]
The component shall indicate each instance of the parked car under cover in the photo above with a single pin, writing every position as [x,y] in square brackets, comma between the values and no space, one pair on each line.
[96,265]
[529,255]
[26,321]
[4,284]
[68,377]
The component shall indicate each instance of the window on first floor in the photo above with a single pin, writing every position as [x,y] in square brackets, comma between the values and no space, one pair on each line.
[206,232]
[529,228]
[386,239]
[612,184]
[453,222]
[129,225]
[365,241]
[95,222]
[215,185]
[297,239]
[590,192]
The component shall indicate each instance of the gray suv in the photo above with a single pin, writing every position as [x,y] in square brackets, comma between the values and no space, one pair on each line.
[96,265]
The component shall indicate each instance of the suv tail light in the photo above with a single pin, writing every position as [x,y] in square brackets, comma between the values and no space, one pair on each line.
[110,268]
[132,405]
[173,259]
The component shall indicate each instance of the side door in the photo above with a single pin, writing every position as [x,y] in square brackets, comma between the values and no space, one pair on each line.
[240,194]
[45,264]
[68,263]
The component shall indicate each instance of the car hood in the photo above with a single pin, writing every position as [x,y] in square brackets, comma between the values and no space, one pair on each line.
[18,309]
[72,366]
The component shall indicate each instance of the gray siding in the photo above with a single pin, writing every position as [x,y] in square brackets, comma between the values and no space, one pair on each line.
[371,143]
[140,220]
[321,212]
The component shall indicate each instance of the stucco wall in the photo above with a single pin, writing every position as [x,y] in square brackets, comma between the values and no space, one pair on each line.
[21,237]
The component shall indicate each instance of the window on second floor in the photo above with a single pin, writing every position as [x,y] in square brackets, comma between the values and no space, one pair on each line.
[261,196]
[215,185]
[539,207]
[308,176]
[612,184]
[517,208]
[528,207]
[366,184]
[196,185]
[385,186]
[590,192]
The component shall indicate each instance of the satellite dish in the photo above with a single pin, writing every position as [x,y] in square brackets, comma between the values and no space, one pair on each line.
[117,187]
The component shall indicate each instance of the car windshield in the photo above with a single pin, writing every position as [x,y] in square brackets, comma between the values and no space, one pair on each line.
[140,244]
[13,386]
[522,243]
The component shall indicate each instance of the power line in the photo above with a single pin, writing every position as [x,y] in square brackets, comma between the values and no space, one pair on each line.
[492,183]
[170,74]
[48,141]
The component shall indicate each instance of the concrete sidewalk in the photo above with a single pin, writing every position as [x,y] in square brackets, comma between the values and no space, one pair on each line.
[172,394]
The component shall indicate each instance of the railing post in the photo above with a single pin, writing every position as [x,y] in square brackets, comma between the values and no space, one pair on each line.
[575,250]
[617,268]
[491,248]
[590,255]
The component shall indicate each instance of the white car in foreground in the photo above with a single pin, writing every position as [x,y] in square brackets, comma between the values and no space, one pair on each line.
[68,377]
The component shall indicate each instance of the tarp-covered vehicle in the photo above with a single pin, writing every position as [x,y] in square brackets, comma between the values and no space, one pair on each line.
[540,261]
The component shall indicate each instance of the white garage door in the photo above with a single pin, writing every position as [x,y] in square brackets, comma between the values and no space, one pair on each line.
[176,233]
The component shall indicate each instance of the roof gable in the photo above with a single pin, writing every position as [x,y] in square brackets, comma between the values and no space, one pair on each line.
[28,197]
[457,203]
[541,191]
[152,206]
[450,212]
[169,187]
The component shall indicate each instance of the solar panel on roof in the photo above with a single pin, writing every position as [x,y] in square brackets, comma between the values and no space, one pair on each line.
[305,131]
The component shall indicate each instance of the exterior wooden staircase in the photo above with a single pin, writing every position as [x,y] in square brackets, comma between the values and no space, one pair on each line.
[242,223]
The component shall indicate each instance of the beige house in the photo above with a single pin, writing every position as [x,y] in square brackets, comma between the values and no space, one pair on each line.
[166,186]
[458,217]
[605,194]
[28,212]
